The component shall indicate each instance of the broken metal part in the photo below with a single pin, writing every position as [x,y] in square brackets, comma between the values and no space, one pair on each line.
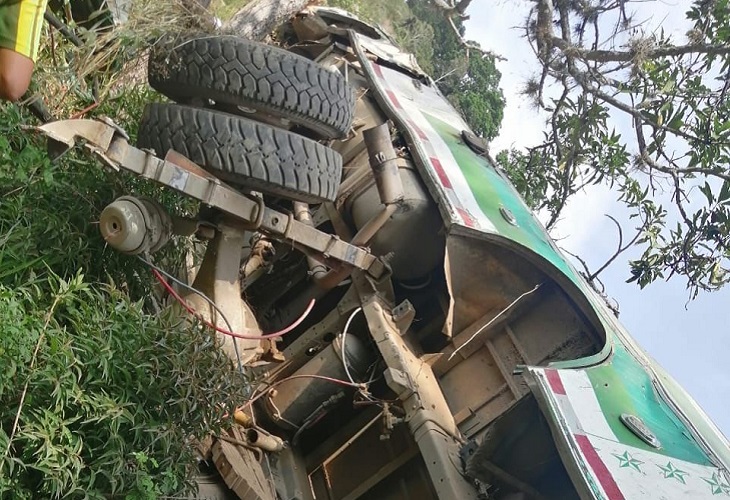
[265,441]
[108,144]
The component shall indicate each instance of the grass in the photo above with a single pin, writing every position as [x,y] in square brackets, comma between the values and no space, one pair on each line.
[100,396]
[224,9]
[109,59]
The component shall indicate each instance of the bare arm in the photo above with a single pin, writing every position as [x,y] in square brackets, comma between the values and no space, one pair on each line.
[15,73]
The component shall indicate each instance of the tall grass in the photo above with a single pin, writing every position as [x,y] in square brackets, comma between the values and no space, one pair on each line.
[100,396]
[111,58]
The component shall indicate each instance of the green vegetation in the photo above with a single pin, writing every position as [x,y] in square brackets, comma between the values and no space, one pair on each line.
[101,396]
[107,395]
[469,79]
[646,115]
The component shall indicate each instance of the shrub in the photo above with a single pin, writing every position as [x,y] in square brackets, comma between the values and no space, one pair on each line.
[108,397]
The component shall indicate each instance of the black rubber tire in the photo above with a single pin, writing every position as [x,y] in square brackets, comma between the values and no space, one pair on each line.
[244,152]
[239,72]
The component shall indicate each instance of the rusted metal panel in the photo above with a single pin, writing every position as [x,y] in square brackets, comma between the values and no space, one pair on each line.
[241,472]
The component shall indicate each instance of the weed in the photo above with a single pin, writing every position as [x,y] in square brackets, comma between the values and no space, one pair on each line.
[99,398]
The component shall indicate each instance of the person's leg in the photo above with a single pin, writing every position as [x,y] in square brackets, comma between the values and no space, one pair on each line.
[20,27]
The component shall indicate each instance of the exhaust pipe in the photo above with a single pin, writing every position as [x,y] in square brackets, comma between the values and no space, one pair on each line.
[266,442]
[383,162]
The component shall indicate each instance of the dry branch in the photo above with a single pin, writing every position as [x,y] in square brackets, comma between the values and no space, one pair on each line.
[260,17]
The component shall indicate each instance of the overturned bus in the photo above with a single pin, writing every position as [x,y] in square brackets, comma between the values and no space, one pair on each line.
[410,328]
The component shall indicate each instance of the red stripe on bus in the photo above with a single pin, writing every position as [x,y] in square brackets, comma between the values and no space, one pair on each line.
[441,173]
[599,468]
[378,70]
[394,99]
[466,217]
[421,134]
[556,384]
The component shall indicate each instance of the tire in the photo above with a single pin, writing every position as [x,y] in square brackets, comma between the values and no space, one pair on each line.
[244,152]
[238,72]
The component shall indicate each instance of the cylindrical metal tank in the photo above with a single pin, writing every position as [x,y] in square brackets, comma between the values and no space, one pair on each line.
[292,402]
[414,232]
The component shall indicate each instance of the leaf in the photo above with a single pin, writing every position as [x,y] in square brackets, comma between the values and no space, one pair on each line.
[707,191]
[724,196]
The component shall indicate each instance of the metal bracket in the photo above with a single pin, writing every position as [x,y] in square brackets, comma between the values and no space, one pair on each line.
[111,146]
[427,413]
[400,383]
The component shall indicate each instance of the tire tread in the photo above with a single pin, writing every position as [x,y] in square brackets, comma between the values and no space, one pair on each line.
[240,72]
[244,152]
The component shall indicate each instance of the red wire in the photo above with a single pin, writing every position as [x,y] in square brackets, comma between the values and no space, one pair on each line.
[84,111]
[192,311]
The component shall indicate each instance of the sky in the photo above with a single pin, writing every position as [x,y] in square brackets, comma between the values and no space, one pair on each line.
[690,340]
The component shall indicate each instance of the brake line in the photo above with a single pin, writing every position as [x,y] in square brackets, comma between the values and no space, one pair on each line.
[218,329]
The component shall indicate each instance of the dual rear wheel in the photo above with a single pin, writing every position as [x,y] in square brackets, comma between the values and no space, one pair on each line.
[236,99]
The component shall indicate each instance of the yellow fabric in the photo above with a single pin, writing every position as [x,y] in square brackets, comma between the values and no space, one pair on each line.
[20,25]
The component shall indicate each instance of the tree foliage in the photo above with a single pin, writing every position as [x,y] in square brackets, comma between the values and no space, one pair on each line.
[465,74]
[478,96]
[645,113]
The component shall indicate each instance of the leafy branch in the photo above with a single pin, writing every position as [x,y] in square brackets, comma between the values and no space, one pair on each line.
[598,63]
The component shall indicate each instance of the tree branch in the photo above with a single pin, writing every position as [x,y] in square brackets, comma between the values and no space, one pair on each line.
[630,55]
[586,271]
[468,45]
[461,7]
[631,110]
[458,8]
[258,18]
[621,249]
